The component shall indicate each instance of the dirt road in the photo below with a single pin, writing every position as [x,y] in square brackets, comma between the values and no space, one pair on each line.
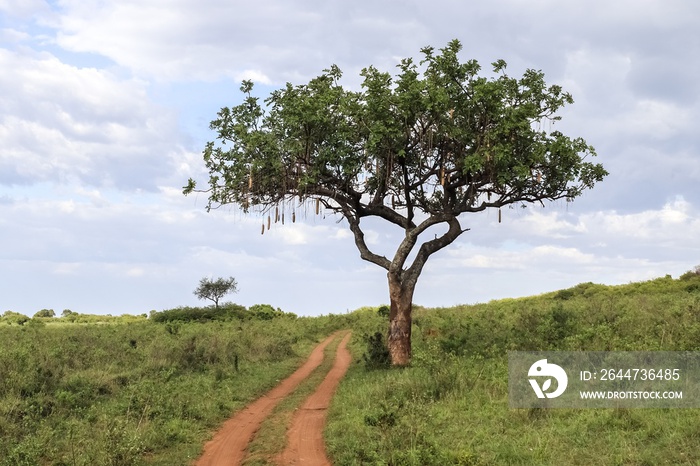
[305,436]
[305,444]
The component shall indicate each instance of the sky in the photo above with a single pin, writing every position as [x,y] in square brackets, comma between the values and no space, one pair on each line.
[105,108]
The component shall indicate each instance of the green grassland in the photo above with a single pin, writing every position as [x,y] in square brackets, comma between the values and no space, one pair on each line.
[127,392]
[140,391]
[451,408]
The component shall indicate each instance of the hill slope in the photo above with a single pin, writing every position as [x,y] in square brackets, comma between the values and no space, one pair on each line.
[451,406]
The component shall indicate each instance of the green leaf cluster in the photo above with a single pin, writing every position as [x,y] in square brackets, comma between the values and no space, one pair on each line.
[436,139]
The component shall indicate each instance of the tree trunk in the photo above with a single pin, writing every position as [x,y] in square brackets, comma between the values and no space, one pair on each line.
[399,341]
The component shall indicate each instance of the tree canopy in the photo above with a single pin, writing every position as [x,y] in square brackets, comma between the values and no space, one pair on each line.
[417,150]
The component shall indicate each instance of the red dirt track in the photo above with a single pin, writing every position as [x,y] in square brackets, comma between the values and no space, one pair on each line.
[305,437]
[305,444]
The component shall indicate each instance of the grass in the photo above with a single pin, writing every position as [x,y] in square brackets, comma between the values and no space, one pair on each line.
[397,419]
[450,407]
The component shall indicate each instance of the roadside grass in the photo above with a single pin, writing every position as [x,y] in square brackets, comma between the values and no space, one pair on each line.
[405,417]
[450,407]
[271,439]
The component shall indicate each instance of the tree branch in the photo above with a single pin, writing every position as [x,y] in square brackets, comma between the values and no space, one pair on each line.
[430,247]
[411,238]
[361,244]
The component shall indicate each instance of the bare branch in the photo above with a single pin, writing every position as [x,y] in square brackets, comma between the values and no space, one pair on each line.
[361,244]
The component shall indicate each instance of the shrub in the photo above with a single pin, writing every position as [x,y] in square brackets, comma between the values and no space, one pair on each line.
[264,312]
[557,325]
[45,313]
[225,312]
[377,355]
[564,294]
[691,274]
[693,287]
[14,318]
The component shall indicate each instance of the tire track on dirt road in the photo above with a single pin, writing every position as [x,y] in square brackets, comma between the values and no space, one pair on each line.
[305,445]
[228,446]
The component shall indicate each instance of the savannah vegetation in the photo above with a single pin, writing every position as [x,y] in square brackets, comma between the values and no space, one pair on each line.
[416,150]
[132,390]
[450,406]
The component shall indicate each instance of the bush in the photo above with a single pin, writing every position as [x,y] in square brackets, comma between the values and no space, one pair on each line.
[14,318]
[264,312]
[691,274]
[377,355]
[384,311]
[564,294]
[225,312]
[45,313]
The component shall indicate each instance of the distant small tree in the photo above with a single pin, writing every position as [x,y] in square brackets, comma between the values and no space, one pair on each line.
[45,313]
[214,290]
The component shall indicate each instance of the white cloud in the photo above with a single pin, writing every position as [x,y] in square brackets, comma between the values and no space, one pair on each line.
[66,268]
[8,35]
[256,76]
[677,222]
[655,120]
[23,8]
[550,224]
[187,40]
[65,124]
[294,235]
[135,272]
[527,258]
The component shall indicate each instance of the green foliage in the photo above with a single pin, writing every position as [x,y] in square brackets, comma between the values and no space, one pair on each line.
[400,137]
[214,290]
[224,312]
[11,317]
[384,311]
[377,355]
[265,311]
[45,313]
[691,274]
